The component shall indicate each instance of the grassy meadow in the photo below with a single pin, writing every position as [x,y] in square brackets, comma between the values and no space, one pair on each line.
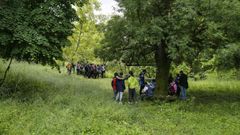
[37,100]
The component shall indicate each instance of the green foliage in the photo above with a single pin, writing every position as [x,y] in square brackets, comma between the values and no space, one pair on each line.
[113,67]
[229,57]
[192,30]
[182,67]
[187,31]
[165,32]
[224,17]
[45,102]
[159,33]
[36,31]
[86,36]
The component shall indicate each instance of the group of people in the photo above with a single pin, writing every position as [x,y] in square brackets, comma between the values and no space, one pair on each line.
[119,84]
[87,70]
[177,86]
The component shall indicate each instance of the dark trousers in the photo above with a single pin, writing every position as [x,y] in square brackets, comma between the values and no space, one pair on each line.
[141,88]
[178,91]
[114,94]
[102,74]
[132,95]
[78,71]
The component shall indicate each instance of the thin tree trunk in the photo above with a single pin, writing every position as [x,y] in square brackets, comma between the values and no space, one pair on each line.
[79,40]
[162,73]
[5,73]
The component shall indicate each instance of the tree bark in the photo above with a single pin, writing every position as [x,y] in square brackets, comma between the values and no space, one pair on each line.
[162,73]
[5,73]
[161,58]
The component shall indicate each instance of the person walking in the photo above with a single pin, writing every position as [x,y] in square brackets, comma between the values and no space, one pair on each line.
[183,83]
[132,86]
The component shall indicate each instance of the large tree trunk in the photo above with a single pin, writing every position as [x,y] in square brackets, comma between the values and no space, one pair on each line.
[162,73]
[162,60]
[2,2]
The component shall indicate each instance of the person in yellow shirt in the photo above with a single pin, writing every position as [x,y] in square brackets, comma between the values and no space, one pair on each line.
[132,84]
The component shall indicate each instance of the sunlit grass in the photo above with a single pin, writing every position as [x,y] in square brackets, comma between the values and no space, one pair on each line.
[39,100]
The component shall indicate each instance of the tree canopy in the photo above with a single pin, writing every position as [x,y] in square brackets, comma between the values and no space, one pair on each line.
[36,30]
[162,32]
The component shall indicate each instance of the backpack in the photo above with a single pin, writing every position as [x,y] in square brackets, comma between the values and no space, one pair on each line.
[173,87]
[114,83]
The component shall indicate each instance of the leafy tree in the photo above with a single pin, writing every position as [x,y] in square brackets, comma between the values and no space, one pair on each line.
[224,17]
[161,32]
[86,35]
[229,57]
[36,30]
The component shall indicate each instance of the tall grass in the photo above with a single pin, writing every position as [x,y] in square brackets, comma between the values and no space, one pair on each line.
[39,100]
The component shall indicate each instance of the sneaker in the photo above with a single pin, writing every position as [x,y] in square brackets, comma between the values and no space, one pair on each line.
[120,103]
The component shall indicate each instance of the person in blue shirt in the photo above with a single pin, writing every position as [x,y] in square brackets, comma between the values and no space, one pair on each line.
[148,90]
[142,80]
[183,82]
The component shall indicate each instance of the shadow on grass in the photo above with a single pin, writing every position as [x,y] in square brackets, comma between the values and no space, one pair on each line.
[207,101]
[214,97]
[26,90]
[214,102]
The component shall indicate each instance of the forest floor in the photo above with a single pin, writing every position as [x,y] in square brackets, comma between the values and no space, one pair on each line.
[39,100]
